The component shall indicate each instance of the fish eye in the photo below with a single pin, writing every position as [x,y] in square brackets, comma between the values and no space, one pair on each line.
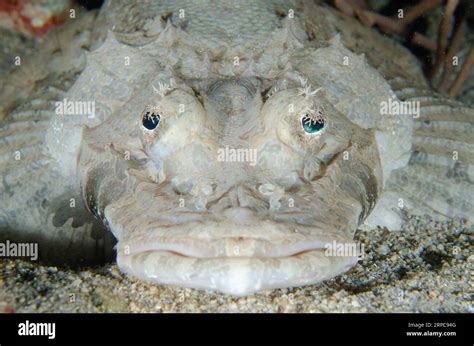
[151,120]
[311,125]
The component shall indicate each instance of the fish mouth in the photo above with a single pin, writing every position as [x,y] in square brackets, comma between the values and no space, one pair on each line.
[249,258]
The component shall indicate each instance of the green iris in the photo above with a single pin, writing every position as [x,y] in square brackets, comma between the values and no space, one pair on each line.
[312,126]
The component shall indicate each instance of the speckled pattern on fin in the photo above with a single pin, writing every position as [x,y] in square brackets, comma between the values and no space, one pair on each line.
[39,203]
[438,180]
[38,200]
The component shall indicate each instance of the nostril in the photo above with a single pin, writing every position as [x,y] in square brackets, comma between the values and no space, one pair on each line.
[273,193]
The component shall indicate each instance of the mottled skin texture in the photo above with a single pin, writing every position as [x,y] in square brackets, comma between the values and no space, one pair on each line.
[240,75]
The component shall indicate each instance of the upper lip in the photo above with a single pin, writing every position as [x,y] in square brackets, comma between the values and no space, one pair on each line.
[200,240]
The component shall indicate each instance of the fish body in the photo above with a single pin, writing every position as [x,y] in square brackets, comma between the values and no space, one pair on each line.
[230,145]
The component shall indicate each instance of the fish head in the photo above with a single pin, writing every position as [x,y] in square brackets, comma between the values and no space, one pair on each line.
[235,184]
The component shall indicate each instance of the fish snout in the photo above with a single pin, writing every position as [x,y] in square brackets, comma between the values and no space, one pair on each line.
[234,258]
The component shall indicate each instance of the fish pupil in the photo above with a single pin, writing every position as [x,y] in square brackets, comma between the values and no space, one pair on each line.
[311,125]
[151,120]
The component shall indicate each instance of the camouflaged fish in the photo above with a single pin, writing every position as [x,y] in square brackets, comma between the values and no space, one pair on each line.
[224,144]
